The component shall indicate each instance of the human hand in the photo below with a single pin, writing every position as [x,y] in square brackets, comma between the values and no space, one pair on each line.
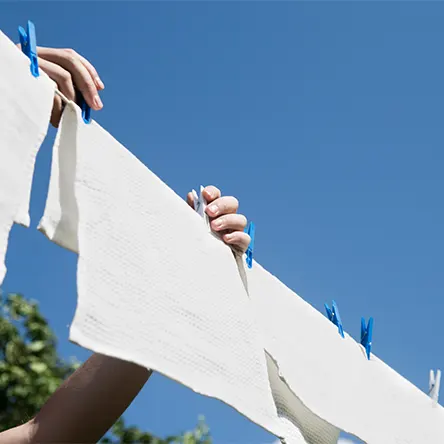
[222,211]
[70,71]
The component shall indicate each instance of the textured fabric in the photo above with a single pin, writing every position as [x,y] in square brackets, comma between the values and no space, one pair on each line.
[299,424]
[331,375]
[60,220]
[25,109]
[154,286]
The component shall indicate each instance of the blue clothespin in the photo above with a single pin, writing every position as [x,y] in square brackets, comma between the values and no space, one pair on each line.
[366,335]
[86,110]
[28,43]
[334,316]
[250,230]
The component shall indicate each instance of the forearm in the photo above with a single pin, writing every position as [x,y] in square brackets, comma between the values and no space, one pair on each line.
[86,405]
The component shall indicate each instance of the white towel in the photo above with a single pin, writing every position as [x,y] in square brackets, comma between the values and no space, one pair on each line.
[25,109]
[299,424]
[332,376]
[154,286]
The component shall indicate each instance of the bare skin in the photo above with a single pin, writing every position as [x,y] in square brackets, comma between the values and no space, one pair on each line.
[70,71]
[85,406]
[88,403]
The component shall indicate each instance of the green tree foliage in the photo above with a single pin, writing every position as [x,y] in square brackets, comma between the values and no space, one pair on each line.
[31,370]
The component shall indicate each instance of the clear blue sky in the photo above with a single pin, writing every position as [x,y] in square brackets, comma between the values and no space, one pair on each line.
[324,119]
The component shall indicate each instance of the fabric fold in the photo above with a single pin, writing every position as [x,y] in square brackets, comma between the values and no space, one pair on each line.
[331,375]
[25,109]
[154,287]
[299,424]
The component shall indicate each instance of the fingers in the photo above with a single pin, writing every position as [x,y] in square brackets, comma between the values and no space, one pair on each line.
[222,205]
[92,71]
[82,73]
[224,219]
[56,113]
[64,84]
[211,193]
[230,222]
[238,239]
[61,76]
[231,227]
[190,200]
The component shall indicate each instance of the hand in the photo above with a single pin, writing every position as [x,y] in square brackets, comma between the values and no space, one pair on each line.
[70,71]
[222,211]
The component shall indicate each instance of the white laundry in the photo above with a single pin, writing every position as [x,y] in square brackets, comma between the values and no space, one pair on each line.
[154,286]
[299,424]
[331,375]
[25,109]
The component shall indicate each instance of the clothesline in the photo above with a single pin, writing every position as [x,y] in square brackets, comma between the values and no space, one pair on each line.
[62,96]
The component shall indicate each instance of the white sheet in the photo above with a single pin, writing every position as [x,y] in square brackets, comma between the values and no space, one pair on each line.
[25,109]
[332,377]
[154,287]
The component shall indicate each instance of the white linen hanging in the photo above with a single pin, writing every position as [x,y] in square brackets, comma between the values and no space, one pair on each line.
[25,110]
[154,286]
[331,375]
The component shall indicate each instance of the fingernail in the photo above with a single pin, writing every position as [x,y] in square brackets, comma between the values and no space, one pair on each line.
[97,102]
[214,210]
[229,237]
[100,83]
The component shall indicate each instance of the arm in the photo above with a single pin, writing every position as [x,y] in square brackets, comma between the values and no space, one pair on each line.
[85,406]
